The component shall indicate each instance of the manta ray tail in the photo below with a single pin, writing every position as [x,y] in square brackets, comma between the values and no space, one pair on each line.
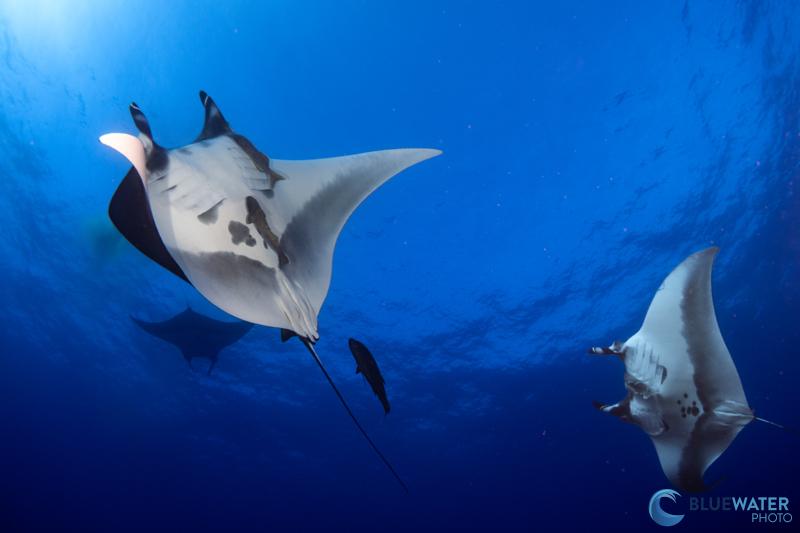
[349,412]
[793,431]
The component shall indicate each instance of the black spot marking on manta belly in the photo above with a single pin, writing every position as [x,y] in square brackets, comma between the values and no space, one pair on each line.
[257,217]
[240,233]
[185,150]
[210,216]
[687,410]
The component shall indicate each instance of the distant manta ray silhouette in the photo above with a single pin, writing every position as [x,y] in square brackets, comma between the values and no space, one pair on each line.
[683,387]
[253,235]
[196,335]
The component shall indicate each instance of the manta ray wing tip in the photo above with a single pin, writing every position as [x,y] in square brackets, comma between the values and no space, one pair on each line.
[418,155]
[706,253]
[421,154]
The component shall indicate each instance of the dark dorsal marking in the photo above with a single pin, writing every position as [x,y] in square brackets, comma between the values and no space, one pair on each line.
[706,434]
[130,212]
[257,217]
[240,233]
[259,159]
[215,124]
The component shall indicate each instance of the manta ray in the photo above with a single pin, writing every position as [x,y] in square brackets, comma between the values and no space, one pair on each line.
[196,335]
[683,387]
[254,235]
[368,367]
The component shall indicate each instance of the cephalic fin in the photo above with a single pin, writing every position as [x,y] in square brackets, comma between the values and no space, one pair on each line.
[142,124]
[214,124]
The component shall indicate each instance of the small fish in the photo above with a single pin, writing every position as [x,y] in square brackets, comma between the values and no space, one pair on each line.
[368,367]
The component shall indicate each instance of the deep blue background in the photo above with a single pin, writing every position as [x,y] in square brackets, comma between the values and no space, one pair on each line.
[588,148]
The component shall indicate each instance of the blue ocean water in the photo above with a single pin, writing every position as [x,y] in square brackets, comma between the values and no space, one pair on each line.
[588,148]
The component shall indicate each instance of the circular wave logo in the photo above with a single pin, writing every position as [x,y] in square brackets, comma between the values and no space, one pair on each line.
[659,515]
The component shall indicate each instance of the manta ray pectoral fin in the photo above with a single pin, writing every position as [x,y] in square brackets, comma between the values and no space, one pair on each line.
[684,461]
[682,315]
[130,213]
[129,146]
[685,456]
[317,198]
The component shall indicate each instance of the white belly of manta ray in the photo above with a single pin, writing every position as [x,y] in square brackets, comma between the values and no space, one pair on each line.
[669,399]
[226,254]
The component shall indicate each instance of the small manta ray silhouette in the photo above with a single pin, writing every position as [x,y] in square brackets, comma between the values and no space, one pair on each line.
[196,335]
[368,367]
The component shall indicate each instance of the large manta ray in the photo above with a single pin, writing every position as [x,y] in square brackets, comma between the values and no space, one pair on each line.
[196,335]
[254,235]
[683,388]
